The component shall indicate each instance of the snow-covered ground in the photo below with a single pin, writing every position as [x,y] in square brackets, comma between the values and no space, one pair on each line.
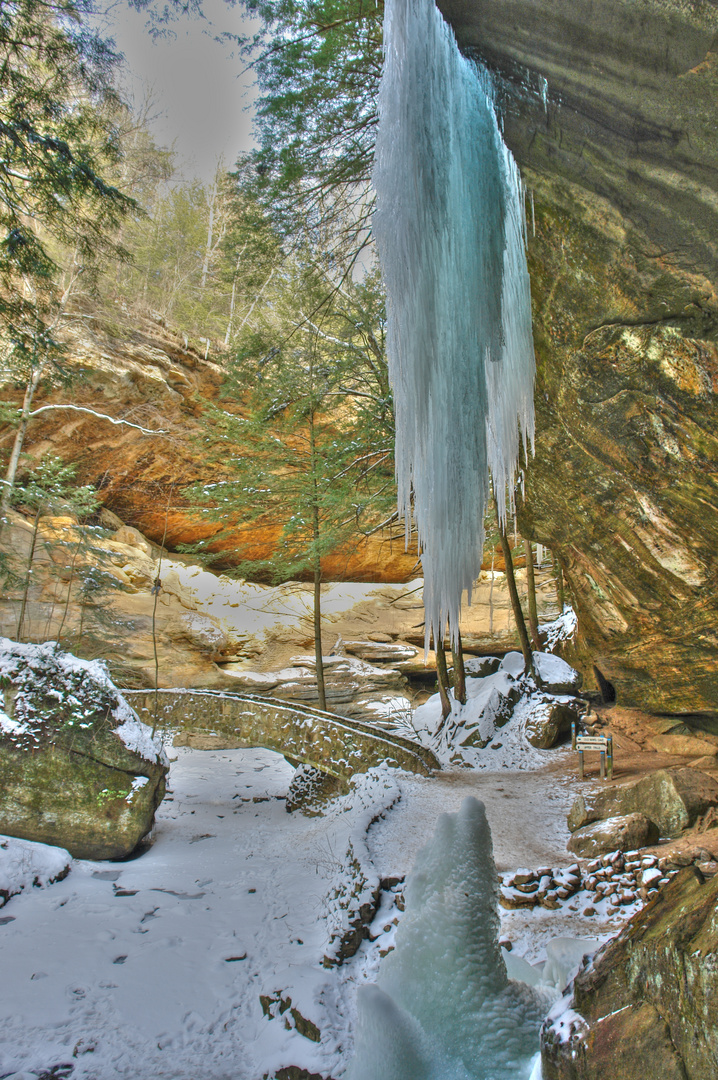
[154,968]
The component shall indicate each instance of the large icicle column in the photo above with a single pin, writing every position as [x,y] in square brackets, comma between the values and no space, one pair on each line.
[444,1007]
[449,227]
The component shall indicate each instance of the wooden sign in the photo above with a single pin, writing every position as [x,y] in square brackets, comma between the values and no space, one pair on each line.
[602,744]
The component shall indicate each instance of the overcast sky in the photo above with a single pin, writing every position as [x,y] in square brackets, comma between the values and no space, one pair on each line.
[197,83]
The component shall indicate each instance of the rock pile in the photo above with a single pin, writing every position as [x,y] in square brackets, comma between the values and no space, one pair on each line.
[544,887]
[646,1005]
[614,881]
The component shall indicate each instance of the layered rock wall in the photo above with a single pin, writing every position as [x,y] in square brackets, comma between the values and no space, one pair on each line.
[610,112]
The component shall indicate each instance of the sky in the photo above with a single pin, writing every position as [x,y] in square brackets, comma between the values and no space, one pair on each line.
[202,95]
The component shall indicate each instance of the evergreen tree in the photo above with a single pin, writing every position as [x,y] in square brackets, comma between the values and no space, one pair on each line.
[318,65]
[57,143]
[49,488]
[316,432]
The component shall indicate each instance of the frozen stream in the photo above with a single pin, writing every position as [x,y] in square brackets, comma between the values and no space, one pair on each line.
[154,968]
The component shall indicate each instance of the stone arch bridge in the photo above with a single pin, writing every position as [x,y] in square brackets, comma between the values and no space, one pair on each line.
[336,745]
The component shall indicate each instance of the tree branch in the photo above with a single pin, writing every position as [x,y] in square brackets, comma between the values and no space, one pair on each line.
[100,416]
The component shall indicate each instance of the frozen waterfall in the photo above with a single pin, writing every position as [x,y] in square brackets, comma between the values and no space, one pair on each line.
[444,1007]
[450,232]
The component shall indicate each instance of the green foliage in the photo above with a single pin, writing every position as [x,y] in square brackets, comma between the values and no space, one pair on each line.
[50,488]
[312,450]
[56,142]
[318,64]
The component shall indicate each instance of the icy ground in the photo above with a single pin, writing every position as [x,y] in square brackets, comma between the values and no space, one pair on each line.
[153,968]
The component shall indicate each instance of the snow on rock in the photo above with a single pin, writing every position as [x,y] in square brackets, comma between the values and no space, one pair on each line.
[353,898]
[138,738]
[24,864]
[561,629]
[564,1022]
[39,679]
[513,663]
[502,710]
[556,675]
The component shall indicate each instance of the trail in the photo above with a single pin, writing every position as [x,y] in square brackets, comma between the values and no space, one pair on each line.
[154,968]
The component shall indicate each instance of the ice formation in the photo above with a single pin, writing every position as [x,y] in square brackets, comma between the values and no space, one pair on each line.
[450,231]
[444,1007]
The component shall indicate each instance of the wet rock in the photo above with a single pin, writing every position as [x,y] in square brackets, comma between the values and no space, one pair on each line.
[626,833]
[647,1005]
[77,768]
[549,718]
[673,799]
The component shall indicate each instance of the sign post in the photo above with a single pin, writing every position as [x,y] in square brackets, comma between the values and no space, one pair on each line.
[601,743]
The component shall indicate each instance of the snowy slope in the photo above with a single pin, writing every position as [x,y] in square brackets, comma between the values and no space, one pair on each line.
[153,969]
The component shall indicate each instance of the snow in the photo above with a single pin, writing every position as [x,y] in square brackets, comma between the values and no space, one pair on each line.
[24,863]
[514,664]
[450,235]
[552,670]
[138,738]
[445,1007]
[36,672]
[154,967]
[13,727]
[561,629]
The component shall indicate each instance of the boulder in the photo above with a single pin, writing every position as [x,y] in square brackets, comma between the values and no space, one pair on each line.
[77,768]
[203,632]
[131,537]
[672,798]
[481,666]
[625,833]
[683,745]
[647,1005]
[549,717]
[555,675]
[513,664]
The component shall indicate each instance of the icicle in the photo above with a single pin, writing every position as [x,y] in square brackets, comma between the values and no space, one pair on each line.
[449,229]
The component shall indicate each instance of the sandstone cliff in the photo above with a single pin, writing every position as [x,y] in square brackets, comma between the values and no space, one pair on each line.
[142,371]
[610,112]
[90,587]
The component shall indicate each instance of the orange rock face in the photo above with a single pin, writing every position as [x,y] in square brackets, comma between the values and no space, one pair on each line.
[151,378]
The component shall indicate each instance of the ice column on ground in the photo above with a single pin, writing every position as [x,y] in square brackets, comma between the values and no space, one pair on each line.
[450,231]
[444,1008]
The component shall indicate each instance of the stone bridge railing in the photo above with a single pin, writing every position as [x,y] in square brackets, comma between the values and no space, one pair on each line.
[334,744]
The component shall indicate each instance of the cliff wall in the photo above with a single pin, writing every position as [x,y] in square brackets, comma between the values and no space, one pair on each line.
[610,110]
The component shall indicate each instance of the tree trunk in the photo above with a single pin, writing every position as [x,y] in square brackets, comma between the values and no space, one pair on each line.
[233,298]
[28,575]
[17,446]
[321,691]
[457,656]
[318,637]
[514,595]
[210,234]
[442,676]
[560,591]
[531,584]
